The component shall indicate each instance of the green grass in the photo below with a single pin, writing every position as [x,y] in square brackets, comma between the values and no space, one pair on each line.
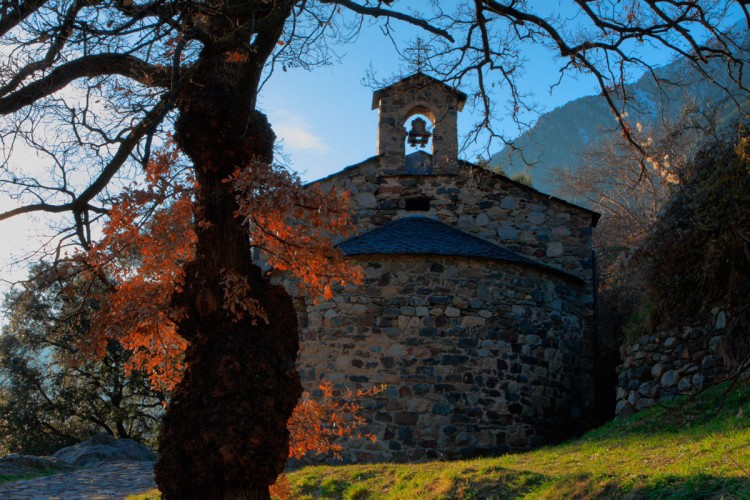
[28,475]
[688,449]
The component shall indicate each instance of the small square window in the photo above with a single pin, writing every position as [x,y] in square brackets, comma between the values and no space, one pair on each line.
[420,204]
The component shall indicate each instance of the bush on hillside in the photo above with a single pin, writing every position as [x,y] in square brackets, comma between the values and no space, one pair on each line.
[698,256]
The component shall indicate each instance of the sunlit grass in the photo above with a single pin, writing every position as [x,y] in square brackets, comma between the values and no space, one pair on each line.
[687,449]
[691,448]
[149,495]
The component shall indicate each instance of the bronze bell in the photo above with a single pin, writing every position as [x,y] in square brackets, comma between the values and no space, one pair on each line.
[418,135]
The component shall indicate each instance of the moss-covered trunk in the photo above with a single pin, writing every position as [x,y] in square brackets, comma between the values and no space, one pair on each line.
[224,433]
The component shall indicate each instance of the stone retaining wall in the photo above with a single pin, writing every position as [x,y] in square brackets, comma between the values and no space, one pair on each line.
[679,361]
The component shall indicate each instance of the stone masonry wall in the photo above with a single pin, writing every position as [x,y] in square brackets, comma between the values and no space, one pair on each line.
[678,361]
[479,356]
[478,202]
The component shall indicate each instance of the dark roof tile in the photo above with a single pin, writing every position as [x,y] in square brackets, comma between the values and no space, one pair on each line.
[423,236]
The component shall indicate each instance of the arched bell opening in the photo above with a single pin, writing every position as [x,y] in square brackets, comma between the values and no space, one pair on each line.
[419,148]
[419,124]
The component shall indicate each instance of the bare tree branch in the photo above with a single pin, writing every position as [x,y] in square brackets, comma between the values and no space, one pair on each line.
[85,67]
[392,14]
[14,12]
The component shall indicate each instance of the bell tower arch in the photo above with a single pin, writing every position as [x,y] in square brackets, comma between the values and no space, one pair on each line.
[418,94]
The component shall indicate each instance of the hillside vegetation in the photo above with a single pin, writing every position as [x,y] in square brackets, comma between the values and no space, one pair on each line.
[697,447]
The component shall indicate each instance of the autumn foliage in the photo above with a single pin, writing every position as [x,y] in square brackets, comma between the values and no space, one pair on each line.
[318,425]
[147,240]
[150,236]
[293,225]
[139,264]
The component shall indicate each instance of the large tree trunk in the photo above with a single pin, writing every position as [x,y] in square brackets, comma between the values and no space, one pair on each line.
[224,433]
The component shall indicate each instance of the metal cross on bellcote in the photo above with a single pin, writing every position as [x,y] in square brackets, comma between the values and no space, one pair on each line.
[418,54]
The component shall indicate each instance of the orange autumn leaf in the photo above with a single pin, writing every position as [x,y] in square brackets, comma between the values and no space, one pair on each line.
[316,424]
[295,226]
[151,235]
[236,57]
[146,242]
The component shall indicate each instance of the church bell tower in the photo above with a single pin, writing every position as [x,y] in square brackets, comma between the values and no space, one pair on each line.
[422,95]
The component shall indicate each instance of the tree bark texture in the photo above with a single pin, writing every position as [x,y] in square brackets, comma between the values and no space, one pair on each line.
[224,432]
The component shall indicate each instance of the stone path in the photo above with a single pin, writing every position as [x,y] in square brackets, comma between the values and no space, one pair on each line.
[111,480]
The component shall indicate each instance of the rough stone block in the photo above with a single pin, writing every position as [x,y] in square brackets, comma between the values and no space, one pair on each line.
[509,203]
[721,320]
[508,233]
[536,218]
[669,378]
[452,312]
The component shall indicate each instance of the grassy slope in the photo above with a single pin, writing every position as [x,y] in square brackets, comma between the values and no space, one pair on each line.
[687,450]
[690,449]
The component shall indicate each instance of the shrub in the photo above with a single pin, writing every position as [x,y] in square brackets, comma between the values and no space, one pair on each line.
[698,256]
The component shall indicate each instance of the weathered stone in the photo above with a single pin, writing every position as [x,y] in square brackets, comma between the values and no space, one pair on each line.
[620,393]
[472,321]
[405,418]
[509,203]
[684,385]
[454,359]
[646,389]
[366,200]
[103,448]
[632,398]
[708,362]
[644,403]
[19,465]
[506,232]
[555,249]
[669,378]
[715,342]
[452,312]
[535,218]
[622,408]
[721,320]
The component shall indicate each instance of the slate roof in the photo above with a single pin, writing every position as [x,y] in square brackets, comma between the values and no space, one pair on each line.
[423,236]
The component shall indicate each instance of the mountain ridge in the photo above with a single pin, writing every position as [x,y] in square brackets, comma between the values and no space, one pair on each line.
[562,138]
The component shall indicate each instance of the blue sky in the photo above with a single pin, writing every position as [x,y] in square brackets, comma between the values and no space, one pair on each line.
[324,116]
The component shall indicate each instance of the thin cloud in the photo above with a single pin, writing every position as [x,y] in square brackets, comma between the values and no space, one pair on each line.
[298,134]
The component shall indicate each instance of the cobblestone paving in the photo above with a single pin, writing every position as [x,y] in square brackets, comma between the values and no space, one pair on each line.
[113,480]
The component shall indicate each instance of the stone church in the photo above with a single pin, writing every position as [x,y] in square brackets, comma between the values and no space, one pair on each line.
[477,307]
